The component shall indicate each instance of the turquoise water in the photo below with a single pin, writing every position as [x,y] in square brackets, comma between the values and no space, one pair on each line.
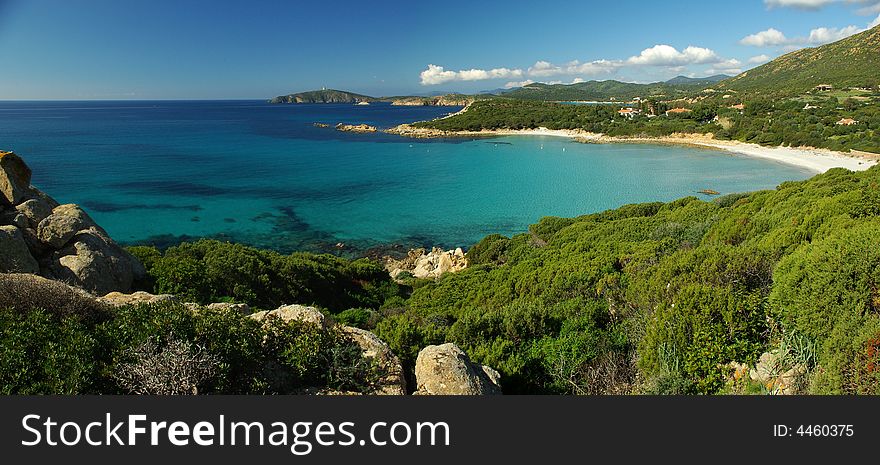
[161,172]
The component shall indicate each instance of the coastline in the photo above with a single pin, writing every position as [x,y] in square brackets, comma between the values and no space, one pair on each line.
[814,159]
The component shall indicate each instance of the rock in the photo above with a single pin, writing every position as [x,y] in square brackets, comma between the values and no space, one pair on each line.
[118,299]
[446,370]
[64,222]
[777,375]
[15,179]
[294,313]
[423,265]
[94,262]
[14,253]
[355,128]
[393,382]
[35,210]
[243,309]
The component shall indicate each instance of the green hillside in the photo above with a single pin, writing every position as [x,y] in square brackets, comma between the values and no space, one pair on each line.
[599,91]
[851,62]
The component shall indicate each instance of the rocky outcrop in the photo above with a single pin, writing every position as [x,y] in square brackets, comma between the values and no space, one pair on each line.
[355,128]
[447,370]
[15,179]
[60,241]
[294,313]
[393,381]
[423,264]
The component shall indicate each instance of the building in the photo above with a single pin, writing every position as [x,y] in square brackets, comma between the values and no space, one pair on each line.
[847,122]
[738,106]
[824,87]
[629,112]
[677,111]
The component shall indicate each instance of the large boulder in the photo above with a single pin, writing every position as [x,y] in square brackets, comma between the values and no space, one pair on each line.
[34,210]
[14,253]
[446,370]
[294,313]
[119,299]
[64,222]
[393,382]
[15,179]
[94,262]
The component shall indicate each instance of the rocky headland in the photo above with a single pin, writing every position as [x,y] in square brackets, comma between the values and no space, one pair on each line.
[60,242]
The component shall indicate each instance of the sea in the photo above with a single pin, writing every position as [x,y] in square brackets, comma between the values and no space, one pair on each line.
[162,172]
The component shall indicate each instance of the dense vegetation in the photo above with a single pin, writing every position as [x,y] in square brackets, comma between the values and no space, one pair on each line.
[662,297]
[211,271]
[603,91]
[53,341]
[761,120]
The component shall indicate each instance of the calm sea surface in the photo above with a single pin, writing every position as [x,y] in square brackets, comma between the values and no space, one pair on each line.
[161,172]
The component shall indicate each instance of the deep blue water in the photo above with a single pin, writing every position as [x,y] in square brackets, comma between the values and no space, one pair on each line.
[264,175]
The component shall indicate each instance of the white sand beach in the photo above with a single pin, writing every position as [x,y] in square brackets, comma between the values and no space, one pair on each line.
[814,159]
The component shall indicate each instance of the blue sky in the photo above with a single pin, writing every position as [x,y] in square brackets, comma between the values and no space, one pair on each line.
[159,49]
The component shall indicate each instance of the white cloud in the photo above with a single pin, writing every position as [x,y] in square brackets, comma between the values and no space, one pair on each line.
[768,38]
[730,67]
[867,7]
[762,58]
[802,4]
[818,36]
[876,21]
[666,55]
[438,75]
[824,35]
[545,68]
[512,84]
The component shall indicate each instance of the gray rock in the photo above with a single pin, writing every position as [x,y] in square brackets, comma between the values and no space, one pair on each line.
[118,299]
[95,263]
[294,313]
[393,382]
[14,253]
[35,210]
[243,309]
[447,370]
[15,179]
[64,222]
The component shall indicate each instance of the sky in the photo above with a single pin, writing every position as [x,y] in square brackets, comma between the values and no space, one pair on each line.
[219,49]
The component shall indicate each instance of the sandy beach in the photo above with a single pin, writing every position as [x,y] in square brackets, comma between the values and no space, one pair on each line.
[813,159]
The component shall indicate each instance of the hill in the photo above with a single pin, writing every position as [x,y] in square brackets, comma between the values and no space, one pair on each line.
[598,91]
[323,96]
[853,61]
[684,80]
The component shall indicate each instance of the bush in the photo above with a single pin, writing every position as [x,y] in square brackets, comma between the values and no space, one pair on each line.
[211,271]
[25,293]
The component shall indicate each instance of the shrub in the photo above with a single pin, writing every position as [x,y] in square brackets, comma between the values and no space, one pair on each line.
[178,368]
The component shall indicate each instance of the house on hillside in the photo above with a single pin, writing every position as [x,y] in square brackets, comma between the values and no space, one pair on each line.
[678,111]
[738,106]
[629,112]
[824,87]
[847,122]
